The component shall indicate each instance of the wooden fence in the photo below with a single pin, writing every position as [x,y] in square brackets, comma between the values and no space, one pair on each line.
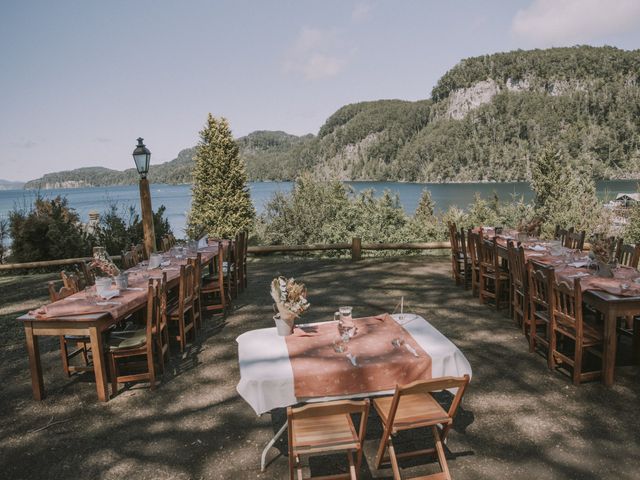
[356,247]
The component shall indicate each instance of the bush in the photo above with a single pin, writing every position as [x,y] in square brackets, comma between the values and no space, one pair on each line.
[49,230]
[119,228]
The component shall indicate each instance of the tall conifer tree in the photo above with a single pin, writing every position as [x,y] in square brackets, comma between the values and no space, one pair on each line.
[221,205]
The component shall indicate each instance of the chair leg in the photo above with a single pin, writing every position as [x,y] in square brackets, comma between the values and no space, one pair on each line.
[394,461]
[183,342]
[352,468]
[152,370]
[442,459]
[577,361]
[65,358]
[113,372]
[382,448]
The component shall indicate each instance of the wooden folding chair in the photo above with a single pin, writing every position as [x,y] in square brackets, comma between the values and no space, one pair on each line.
[413,406]
[326,428]
[537,328]
[567,322]
[87,274]
[136,344]
[183,314]
[82,343]
[494,279]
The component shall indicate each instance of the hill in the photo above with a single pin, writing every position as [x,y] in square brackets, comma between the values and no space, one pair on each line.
[487,118]
[10,185]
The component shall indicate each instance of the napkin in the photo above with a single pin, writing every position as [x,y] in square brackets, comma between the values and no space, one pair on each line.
[537,248]
[109,294]
[579,263]
[165,264]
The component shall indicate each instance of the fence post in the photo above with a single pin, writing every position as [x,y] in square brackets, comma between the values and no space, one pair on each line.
[356,248]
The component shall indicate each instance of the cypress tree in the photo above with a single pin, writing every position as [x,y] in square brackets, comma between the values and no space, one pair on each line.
[221,205]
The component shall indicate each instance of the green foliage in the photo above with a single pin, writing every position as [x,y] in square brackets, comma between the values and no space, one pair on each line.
[565,195]
[4,235]
[221,205]
[632,231]
[329,212]
[119,229]
[49,230]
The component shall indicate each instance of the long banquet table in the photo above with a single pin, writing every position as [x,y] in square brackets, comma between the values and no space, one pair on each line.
[74,315]
[611,301]
[267,375]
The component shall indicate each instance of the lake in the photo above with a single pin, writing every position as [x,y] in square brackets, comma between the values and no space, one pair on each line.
[177,198]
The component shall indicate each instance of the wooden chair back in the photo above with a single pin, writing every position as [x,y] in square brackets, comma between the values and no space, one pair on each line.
[165,244]
[540,277]
[489,254]
[428,387]
[567,305]
[70,280]
[561,233]
[575,240]
[186,288]
[196,263]
[63,292]
[138,253]
[517,266]
[87,273]
[128,259]
[453,239]
[315,433]
[628,255]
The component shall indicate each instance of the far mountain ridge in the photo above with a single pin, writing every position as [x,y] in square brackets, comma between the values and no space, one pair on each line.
[486,120]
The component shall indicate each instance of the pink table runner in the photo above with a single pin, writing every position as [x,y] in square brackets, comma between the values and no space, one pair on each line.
[77,304]
[318,371]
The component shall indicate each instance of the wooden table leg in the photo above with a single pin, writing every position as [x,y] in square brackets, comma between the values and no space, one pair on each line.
[35,366]
[609,350]
[98,364]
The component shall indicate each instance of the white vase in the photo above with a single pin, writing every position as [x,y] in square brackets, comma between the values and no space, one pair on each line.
[284,327]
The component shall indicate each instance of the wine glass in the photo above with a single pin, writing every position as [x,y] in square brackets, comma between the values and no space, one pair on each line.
[340,344]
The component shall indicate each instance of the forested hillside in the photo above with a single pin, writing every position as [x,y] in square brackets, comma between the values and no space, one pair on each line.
[487,118]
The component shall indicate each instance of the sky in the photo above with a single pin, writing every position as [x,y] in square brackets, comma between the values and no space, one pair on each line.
[81,80]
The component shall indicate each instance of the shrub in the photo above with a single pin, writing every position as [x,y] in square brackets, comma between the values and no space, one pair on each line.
[48,230]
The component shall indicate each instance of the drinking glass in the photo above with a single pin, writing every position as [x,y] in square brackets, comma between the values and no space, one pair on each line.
[339,344]
[90,294]
[346,319]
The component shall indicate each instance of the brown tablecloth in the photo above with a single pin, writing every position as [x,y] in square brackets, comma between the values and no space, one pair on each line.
[319,371]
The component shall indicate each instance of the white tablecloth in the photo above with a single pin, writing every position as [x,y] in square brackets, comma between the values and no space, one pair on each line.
[266,376]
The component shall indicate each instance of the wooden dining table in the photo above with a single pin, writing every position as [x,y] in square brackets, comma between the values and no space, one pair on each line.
[74,319]
[610,305]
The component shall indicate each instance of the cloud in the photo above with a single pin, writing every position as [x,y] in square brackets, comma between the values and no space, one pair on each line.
[569,22]
[316,54]
[361,12]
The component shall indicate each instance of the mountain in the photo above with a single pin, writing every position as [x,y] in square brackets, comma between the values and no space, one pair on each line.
[486,120]
[10,185]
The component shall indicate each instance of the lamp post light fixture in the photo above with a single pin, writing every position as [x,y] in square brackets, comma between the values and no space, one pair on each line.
[142,157]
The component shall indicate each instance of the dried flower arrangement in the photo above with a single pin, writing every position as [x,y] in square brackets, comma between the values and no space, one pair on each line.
[102,263]
[289,297]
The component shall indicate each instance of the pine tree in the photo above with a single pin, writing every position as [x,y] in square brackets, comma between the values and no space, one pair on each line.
[221,205]
[424,211]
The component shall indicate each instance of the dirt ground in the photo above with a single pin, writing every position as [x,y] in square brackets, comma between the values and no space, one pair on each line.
[518,419]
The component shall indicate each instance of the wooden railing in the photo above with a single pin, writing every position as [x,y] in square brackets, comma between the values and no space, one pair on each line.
[356,246]
[50,263]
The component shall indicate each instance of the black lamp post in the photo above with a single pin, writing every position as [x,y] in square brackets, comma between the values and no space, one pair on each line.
[142,157]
